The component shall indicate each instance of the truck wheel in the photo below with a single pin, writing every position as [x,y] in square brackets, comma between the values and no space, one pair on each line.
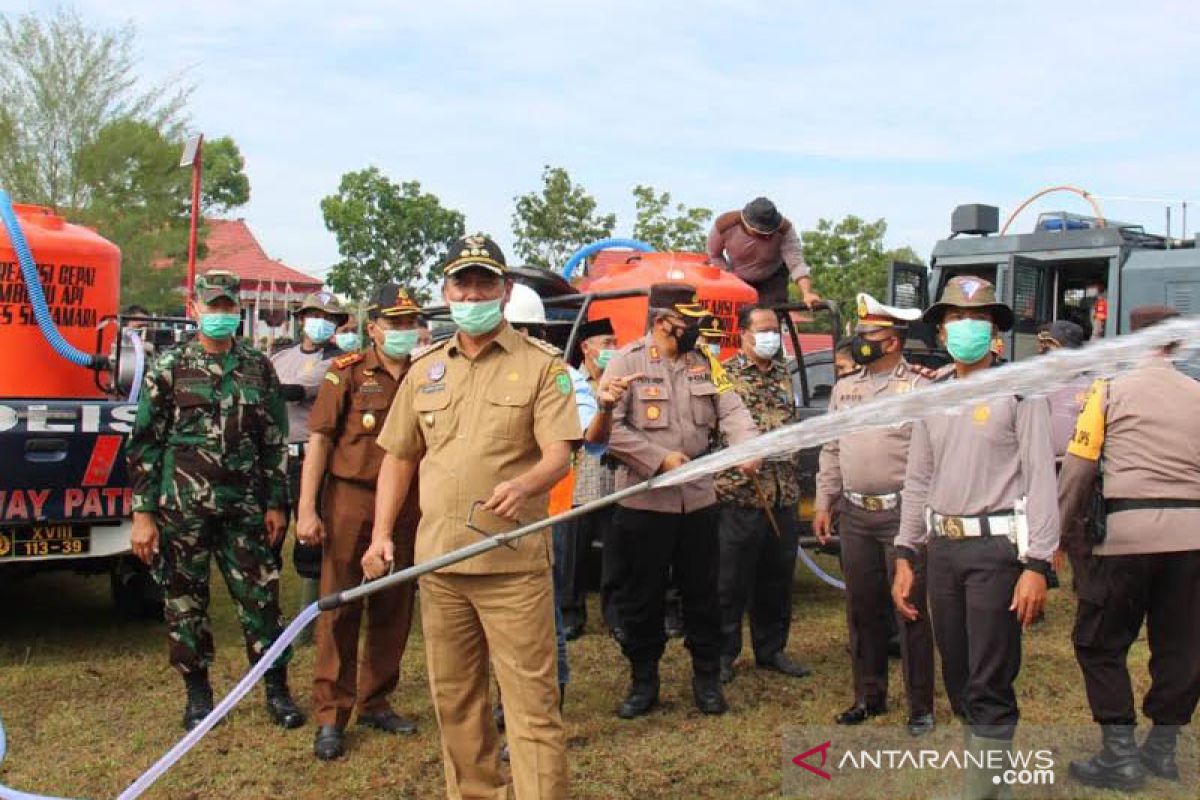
[134,590]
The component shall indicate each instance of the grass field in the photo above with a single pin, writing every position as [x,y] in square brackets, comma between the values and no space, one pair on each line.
[88,702]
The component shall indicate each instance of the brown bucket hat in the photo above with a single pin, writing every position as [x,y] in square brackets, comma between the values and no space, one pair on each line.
[969,291]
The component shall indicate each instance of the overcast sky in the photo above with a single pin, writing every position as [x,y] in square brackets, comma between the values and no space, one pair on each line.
[881,109]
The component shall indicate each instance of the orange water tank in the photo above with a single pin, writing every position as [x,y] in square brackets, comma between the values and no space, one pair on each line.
[721,292]
[80,273]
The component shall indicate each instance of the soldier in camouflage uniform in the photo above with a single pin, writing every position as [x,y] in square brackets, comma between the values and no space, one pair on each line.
[207,460]
[759,525]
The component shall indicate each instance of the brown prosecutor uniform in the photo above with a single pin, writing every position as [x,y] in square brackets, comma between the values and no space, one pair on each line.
[350,409]
[674,407]
[473,423]
[1142,428]
[862,476]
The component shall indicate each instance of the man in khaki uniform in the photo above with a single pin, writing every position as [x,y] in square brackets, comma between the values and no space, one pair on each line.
[1140,432]
[351,406]
[968,475]
[488,418]
[668,419]
[860,479]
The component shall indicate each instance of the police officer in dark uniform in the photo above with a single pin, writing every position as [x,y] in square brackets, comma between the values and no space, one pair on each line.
[668,418]
[1147,565]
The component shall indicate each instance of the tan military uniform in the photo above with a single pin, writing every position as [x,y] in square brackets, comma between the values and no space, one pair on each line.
[473,423]
[1142,428]
[350,409]
[674,406]
[861,476]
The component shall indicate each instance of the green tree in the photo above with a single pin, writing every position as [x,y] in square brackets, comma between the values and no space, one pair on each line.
[387,231]
[552,224]
[61,84]
[848,257]
[140,200]
[684,229]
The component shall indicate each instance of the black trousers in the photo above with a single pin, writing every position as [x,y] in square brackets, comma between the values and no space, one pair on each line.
[971,584]
[757,570]
[574,567]
[650,543]
[869,564]
[773,289]
[1115,594]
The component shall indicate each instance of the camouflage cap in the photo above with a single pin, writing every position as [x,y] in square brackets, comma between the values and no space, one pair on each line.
[218,283]
[393,300]
[325,302]
[475,251]
[969,291]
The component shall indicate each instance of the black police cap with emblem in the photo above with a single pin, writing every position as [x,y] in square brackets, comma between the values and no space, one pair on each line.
[475,251]
[392,300]
[677,298]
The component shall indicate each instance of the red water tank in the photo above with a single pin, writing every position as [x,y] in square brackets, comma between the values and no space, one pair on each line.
[720,291]
[80,272]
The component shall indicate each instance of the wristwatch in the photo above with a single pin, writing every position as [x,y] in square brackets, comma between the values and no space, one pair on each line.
[1039,566]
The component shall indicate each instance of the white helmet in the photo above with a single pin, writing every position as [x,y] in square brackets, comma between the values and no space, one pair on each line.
[524,307]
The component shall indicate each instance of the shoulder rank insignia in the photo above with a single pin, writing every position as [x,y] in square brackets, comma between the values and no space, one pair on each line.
[348,360]
[333,378]
[545,347]
[433,348]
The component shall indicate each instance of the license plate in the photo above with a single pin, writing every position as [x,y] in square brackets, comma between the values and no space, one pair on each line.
[36,541]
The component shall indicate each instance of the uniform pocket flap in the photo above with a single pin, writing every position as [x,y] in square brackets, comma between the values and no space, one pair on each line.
[431,401]
[701,388]
[652,391]
[508,394]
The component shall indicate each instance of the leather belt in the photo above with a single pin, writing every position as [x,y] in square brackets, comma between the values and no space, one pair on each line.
[1137,504]
[1002,524]
[873,502]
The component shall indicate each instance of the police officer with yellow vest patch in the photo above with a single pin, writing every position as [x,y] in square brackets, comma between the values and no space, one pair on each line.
[1146,565]
[668,418]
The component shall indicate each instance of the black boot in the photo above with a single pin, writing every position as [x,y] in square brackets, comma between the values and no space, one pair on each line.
[643,691]
[706,691]
[1158,752]
[1118,765]
[199,699]
[280,706]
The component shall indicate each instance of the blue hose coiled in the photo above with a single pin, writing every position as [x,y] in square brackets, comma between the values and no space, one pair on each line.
[595,247]
[33,286]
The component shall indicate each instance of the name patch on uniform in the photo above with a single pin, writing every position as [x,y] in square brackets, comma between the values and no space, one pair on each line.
[333,378]
[431,388]
[370,388]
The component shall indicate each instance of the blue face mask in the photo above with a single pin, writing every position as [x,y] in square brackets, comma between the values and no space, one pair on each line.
[319,330]
[219,325]
[349,341]
[476,319]
[398,344]
[969,340]
[714,349]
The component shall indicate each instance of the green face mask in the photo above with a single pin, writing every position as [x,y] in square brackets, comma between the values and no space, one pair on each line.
[398,344]
[350,342]
[968,340]
[476,319]
[603,357]
[219,325]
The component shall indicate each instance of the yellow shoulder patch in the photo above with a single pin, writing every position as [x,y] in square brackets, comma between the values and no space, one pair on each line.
[348,360]
[720,377]
[333,378]
[1088,441]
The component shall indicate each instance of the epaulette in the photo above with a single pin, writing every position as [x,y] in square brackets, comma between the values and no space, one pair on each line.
[348,360]
[433,348]
[544,346]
